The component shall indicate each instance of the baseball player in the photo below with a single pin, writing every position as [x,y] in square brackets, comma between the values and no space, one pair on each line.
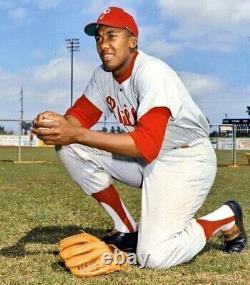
[165,150]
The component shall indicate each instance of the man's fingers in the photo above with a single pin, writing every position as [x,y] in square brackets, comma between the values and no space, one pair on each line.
[40,116]
[45,124]
[42,131]
[46,115]
[48,127]
[47,119]
[49,140]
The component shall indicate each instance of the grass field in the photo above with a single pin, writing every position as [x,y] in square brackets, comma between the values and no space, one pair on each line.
[39,205]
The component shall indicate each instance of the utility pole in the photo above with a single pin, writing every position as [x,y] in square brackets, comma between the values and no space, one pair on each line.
[21,100]
[21,125]
[73,45]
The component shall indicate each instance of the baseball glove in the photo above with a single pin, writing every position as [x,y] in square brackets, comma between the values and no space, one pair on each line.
[85,255]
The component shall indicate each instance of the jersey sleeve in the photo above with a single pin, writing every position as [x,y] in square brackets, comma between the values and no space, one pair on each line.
[158,86]
[97,89]
[149,134]
[85,112]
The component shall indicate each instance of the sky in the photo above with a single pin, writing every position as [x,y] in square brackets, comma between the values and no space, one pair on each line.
[206,42]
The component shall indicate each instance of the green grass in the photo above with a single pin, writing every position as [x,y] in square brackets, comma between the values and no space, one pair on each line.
[225,157]
[27,154]
[39,205]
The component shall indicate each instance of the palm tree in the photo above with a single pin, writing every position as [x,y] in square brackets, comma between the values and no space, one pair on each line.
[26,126]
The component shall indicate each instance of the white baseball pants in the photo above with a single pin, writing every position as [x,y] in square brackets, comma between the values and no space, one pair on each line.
[174,186]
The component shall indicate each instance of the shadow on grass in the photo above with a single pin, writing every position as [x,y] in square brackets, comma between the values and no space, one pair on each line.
[212,246]
[45,235]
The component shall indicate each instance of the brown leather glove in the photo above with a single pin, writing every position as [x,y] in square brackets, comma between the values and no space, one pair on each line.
[85,255]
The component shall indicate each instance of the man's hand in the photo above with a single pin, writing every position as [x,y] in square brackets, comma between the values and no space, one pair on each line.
[54,129]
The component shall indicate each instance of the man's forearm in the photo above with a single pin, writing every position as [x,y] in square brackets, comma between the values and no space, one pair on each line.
[116,143]
[64,130]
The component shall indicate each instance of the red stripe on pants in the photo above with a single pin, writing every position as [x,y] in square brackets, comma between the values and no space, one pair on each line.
[210,227]
[111,197]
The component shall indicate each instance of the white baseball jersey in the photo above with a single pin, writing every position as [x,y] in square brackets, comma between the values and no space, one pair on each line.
[152,84]
[175,184]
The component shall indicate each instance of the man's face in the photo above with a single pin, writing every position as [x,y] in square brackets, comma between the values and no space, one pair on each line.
[114,46]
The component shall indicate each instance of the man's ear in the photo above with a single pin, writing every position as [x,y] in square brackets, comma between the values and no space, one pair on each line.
[133,42]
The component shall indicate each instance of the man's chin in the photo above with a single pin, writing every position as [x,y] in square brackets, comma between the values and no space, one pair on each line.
[108,68]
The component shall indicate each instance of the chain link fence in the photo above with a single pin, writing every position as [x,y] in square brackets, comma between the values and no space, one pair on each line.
[18,144]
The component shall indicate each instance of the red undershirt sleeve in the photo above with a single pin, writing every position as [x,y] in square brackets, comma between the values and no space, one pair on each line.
[149,134]
[85,111]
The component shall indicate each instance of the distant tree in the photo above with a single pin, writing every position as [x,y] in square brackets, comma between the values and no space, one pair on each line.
[214,134]
[26,126]
[119,130]
[4,132]
[112,130]
[248,110]
[104,129]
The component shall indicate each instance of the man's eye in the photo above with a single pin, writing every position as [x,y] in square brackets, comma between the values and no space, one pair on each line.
[111,36]
[97,39]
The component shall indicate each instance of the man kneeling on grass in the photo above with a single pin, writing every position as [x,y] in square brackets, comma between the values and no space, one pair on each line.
[165,150]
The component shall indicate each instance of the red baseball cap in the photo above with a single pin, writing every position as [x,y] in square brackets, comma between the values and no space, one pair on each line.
[113,17]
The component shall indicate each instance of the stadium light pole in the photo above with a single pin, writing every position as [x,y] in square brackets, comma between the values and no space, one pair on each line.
[72,45]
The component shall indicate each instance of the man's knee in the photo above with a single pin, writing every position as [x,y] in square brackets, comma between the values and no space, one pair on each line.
[74,154]
[165,254]
[64,153]
[84,168]
[72,150]
[151,259]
